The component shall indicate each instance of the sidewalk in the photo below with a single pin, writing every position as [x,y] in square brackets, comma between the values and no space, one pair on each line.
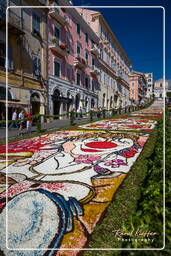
[56,124]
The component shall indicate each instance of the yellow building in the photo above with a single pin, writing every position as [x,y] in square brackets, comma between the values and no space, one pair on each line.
[27,57]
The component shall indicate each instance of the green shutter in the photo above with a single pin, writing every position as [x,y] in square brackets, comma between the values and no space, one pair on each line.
[78,29]
[57,69]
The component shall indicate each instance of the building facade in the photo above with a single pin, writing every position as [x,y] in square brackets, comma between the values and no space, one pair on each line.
[27,55]
[138,87]
[149,78]
[113,61]
[73,61]
[160,86]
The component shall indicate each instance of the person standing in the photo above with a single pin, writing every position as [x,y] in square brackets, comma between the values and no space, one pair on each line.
[29,121]
[14,118]
[21,122]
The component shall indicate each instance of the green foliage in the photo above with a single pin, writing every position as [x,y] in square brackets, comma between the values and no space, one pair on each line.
[38,123]
[72,117]
[104,113]
[149,214]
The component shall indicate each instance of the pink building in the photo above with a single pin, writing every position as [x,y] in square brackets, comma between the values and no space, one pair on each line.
[113,62]
[73,61]
[137,86]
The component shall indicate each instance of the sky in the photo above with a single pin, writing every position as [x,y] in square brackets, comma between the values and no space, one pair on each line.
[139,31]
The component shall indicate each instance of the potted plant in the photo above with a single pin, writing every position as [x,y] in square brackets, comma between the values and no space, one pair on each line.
[53,40]
[63,46]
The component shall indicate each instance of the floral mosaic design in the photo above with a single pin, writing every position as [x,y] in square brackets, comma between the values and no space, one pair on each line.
[55,183]
[122,124]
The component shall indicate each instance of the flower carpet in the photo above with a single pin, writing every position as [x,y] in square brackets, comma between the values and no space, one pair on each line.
[60,184]
[122,124]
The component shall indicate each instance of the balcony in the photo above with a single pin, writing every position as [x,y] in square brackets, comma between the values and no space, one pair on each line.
[80,62]
[95,70]
[56,14]
[15,22]
[104,41]
[123,77]
[58,47]
[95,50]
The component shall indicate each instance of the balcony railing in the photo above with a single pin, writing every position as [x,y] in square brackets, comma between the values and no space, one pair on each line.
[80,62]
[95,50]
[56,13]
[58,46]
[123,76]
[95,70]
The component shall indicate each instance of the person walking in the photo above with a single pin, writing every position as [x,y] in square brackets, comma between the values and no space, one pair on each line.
[14,118]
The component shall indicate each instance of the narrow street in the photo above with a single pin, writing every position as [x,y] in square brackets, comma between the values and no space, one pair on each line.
[60,184]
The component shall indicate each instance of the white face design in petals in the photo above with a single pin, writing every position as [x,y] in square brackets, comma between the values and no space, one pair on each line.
[100,146]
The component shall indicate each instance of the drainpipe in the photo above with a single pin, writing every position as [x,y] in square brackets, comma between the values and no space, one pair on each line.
[47,72]
[21,46]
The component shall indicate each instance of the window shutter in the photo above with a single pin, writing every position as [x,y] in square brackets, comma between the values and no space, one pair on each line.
[10,59]
[57,69]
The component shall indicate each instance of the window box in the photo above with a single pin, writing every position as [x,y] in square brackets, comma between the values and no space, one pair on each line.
[63,46]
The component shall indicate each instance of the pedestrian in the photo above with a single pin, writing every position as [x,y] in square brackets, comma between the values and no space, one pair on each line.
[14,119]
[29,121]
[21,122]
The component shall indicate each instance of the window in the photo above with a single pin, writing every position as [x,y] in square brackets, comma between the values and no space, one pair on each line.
[86,38]
[149,80]
[132,91]
[69,73]
[78,79]
[78,48]
[36,66]
[36,24]
[104,78]
[86,55]
[93,61]
[93,85]
[161,85]
[57,34]
[78,29]
[92,43]
[132,84]
[57,68]
[2,55]
[86,82]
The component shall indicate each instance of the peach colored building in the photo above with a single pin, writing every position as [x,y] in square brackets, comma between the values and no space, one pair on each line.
[114,63]
[73,61]
[138,86]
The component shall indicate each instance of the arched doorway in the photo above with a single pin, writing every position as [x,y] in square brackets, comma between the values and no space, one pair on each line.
[111,101]
[56,103]
[77,102]
[2,104]
[104,99]
[92,103]
[69,102]
[35,103]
